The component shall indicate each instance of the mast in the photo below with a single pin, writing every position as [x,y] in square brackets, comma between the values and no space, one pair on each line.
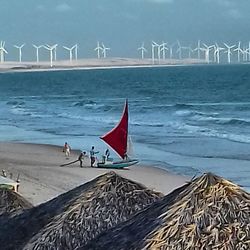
[117,138]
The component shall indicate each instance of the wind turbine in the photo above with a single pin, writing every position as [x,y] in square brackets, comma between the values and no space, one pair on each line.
[143,50]
[76,51]
[158,49]
[37,51]
[228,51]
[153,52]
[20,51]
[207,52]
[163,48]
[70,52]
[245,52]
[239,51]
[189,49]
[104,49]
[171,50]
[98,49]
[248,51]
[179,50]
[54,48]
[51,49]
[2,51]
[217,51]
[198,49]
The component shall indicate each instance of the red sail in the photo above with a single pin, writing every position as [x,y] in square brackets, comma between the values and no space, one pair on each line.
[117,137]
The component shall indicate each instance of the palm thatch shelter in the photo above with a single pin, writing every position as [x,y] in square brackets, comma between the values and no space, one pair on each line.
[207,213]
[79,215]
[12,203]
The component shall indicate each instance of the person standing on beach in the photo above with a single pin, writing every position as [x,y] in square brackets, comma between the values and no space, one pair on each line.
[92,156]
[66,149]
[107,154]
[80,158]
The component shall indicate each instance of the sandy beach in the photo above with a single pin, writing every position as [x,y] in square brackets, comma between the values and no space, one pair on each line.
[93,63]
[42,178]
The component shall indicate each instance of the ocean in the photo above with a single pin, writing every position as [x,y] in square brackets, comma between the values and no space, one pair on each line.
[186,119]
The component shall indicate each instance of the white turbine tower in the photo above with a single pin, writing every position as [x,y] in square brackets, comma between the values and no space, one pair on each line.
[207,52]
[158,46]
[248,51]
[51,50]
[189,50]
[239,51]
[2,51]
[37,51]
[245,52]
[198,49]
[20,51]
[228,51]
[217,50]
[143,50]
[70,52]
[54,48]
[163,49]
[153,53]
[104,49]
[98,49]
[171,50]
[76,51]
[179,50]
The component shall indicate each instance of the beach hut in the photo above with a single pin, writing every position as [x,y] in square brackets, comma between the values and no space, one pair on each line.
[207,213]
[12,203]
[72,219]
[9,183]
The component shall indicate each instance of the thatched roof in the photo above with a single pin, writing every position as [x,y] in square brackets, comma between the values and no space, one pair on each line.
[74,218]
[207,213]
[12,203]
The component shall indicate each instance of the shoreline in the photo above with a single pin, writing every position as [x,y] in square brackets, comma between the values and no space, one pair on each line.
[42,179]
[91,63]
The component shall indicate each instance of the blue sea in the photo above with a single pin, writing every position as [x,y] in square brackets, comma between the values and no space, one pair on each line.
[186,119]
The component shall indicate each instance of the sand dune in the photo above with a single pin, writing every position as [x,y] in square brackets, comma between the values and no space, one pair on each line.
[93,63]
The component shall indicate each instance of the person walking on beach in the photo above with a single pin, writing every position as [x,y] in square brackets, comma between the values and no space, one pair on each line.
[92,156]
[107,154]
[81,157]
[66,149]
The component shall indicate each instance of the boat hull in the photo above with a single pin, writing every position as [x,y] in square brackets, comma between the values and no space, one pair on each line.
[117,165]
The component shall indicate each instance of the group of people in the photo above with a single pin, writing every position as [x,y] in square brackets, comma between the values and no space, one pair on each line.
[92,153]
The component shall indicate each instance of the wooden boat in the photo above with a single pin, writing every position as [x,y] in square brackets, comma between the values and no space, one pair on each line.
[117,139]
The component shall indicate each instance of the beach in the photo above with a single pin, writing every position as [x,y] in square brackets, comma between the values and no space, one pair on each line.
[93,63]
[42,178]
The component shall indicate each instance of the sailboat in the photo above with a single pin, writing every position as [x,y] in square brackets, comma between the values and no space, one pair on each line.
[117,139]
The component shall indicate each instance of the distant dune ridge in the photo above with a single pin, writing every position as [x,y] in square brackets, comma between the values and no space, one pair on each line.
[94,63]
[74,218]
[207,213]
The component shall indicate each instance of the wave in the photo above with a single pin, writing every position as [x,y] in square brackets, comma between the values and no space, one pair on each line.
[221,121]
[215,133]
[234,121]
[15,103]
[144,124]
[84,103]
[20,111]
[182,106]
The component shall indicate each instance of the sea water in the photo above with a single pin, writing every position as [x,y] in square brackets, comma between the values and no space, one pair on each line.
[187,119]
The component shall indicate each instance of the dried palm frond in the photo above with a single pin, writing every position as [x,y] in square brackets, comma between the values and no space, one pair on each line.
[12,203]
[74,218]
[207,213]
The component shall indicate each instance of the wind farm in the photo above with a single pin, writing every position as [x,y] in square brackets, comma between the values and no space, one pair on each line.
[152,53]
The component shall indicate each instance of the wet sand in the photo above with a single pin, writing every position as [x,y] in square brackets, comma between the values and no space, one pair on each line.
[42,178]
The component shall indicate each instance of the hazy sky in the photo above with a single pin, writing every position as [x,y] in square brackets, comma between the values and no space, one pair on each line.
[120,24]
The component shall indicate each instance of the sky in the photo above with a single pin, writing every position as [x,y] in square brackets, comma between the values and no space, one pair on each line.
[121,25]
